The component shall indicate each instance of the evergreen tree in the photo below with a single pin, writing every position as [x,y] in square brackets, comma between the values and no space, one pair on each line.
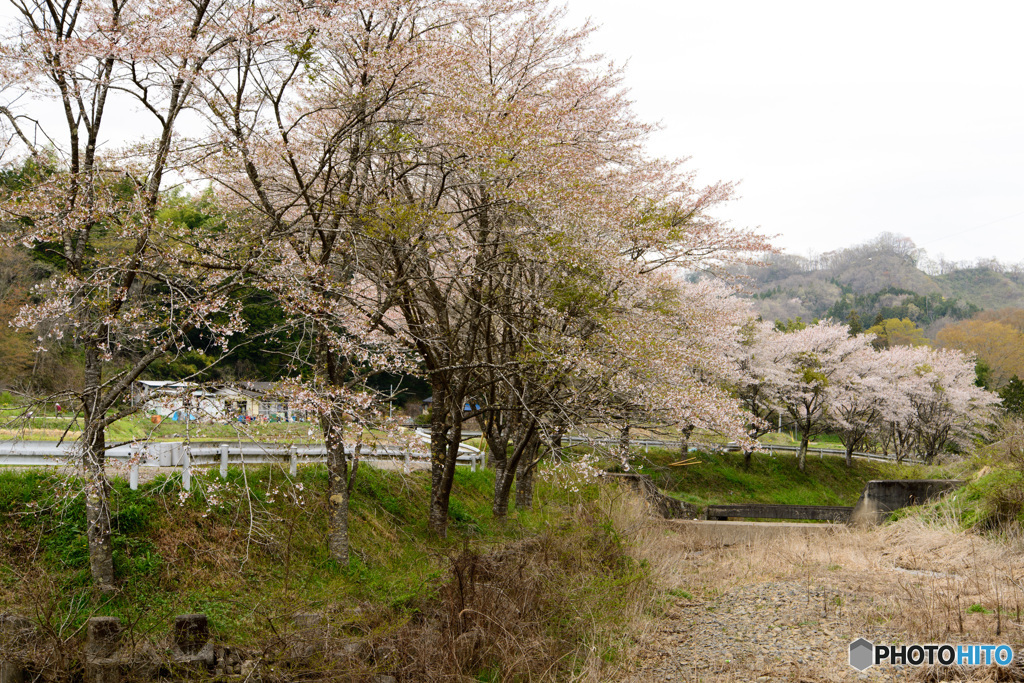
[853,320]
[1012,394]
[983,373]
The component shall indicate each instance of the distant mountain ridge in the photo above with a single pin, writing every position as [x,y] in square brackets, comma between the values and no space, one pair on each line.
[888,276]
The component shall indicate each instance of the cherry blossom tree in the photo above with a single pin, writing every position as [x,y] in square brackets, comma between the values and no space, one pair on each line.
[815,359]
[129,287]
[545,169]
[947,405]
[758,372]
[895,380]
[314,109]
[858,400]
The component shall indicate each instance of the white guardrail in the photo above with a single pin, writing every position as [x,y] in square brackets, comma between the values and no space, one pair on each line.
[186,456]
[572,439]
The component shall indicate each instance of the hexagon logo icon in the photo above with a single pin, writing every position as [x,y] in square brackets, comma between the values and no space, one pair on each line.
[862,654]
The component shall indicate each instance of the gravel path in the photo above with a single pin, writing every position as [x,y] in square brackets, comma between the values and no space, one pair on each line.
[785,606]
[775,631]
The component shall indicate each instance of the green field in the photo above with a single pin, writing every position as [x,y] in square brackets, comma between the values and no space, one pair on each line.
[721,478]
[15,425]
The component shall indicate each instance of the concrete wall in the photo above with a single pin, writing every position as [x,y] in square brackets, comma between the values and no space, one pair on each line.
[883,497]
[713,533]
[667,507]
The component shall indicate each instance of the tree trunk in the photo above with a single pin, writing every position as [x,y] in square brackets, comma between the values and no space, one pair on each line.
[802,455]
[445,437]
[497,442]
[524,474]
[624,441]
[524,486]
[684,441]
[97,489]
[747,455]
[556,444]
[520,451]
[337,486]
[849,455]
[502,486]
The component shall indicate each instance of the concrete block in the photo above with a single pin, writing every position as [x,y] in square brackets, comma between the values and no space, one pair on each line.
[15,634]
[883,497]
[102,650]
[192,642]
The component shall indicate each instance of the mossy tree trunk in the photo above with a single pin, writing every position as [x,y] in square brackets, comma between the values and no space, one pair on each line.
[97,488]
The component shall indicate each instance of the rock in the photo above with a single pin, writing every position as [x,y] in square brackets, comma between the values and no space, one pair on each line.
[356,649]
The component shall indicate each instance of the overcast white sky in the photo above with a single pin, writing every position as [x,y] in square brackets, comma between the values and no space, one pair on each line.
[842,120]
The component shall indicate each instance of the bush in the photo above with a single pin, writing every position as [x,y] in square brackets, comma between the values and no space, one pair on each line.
[998,494]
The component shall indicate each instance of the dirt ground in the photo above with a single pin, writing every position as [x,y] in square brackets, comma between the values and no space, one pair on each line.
[787,608]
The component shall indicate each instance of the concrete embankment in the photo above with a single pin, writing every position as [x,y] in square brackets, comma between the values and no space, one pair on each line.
[707,532]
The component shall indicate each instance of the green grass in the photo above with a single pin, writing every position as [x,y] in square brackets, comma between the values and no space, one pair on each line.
[41,426]
[247,555]
[722,478]
[990,501]
[251,551]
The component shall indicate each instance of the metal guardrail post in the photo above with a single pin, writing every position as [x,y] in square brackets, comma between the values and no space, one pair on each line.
[133,477]
[293,460]
[223,461]
[186,468]
[405,466]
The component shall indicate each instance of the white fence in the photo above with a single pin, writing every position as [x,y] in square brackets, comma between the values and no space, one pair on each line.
[572,440]
[179,454]
[186,456]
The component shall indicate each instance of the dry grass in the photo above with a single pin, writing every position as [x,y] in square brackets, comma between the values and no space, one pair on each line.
[908,582]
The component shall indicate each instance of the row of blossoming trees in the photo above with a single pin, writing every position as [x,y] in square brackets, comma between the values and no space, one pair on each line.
[904,399]
[449,188]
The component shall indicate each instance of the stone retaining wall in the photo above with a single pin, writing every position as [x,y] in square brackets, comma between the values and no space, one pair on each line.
[667,507]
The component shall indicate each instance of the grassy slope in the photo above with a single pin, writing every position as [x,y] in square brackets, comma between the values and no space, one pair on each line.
[992,500]
[722,478]
[198,555]
[249,554]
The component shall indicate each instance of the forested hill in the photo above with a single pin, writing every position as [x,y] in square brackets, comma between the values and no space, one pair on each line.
[888,276]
